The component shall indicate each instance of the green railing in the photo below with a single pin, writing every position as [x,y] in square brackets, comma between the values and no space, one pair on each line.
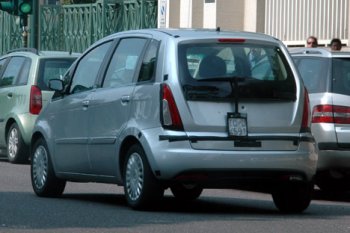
[75,27]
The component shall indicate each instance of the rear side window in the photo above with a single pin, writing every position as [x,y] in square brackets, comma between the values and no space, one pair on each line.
[315,72]
[53,68]
[341,76]
[209,71]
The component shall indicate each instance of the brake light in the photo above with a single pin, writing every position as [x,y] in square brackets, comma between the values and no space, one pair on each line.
[170,114]
[305,124]
[331,114]
[35,104]
[231,40]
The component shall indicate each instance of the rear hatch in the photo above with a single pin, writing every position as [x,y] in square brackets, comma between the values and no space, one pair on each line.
[239,95]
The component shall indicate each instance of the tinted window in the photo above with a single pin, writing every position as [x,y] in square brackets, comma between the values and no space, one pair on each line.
[314,72]
[12,71]
[208,71]
[123,65]
[52,69]
[24,74]
[86,72]
[149,62]
[2,64]
[341,76]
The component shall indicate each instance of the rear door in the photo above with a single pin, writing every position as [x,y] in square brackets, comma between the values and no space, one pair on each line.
[239,88]
[110,105]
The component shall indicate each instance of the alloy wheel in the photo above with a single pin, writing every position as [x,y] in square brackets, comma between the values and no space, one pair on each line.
[134,176]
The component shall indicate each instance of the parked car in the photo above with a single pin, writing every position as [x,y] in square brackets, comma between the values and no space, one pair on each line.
[326,75]
[24,75]
[155,109]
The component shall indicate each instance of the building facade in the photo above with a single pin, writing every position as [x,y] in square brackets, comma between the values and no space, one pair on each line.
[292,21]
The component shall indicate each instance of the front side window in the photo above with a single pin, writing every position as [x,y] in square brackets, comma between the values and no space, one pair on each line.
[87,70]
[218,70]
[122,67]
[13,70]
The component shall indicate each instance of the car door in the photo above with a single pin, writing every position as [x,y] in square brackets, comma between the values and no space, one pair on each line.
[12,93]
[70,118]
[110,105]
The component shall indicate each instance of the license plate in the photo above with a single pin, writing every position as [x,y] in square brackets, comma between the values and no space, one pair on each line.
[237,125]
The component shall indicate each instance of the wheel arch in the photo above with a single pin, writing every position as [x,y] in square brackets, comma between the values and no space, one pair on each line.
[126,144]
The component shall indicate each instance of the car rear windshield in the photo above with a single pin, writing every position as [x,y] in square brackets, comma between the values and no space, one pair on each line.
[220,71]
[52,68]
[315,72]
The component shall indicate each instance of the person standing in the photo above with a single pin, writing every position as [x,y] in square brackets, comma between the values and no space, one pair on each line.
[311,42]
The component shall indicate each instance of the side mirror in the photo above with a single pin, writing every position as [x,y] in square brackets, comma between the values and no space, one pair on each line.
[56,85]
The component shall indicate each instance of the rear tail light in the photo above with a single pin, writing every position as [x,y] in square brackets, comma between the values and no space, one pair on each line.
[331,114]
[170,114]
[305,124]
[35,100]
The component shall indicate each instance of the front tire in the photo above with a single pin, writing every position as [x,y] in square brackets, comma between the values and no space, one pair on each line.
[44,181]
[293,198]
[140,186]
[17,150]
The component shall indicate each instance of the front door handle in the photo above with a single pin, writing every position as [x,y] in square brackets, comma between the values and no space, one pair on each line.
[86,103]
[125,99]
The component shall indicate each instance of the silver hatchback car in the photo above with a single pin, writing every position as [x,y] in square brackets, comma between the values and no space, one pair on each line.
[326,75]
[182,109]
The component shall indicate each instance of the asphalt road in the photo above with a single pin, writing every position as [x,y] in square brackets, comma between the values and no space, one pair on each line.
[102,208]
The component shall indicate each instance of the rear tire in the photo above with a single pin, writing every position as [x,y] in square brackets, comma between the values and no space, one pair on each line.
[140,186]
[186,192]
[293,198]
[17,150]
[44,181]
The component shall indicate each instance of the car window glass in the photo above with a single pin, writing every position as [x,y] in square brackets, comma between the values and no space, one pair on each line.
[52,69]
[2,64]
[262,70]
[341,76]
[87,70]
[149,62]
[13,69]
[314,73]
[122,67]
[24,75]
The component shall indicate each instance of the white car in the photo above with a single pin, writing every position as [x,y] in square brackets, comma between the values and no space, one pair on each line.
[180,109]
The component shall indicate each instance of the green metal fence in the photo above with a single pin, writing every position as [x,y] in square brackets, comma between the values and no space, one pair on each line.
[75,27]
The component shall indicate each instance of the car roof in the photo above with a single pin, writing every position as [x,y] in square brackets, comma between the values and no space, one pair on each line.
[318,52]
[197,34]
[31,52]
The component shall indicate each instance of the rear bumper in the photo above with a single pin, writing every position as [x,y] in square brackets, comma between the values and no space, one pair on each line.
[172,159]
[333,157]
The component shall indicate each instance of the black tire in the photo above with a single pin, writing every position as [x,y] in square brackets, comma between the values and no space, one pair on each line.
[327,183]
[186,192]
[44,181]
[17,150]
[293,198]
[141,188]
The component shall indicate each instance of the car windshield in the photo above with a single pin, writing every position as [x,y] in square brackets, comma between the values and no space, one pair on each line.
[214,71]
[53,68]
